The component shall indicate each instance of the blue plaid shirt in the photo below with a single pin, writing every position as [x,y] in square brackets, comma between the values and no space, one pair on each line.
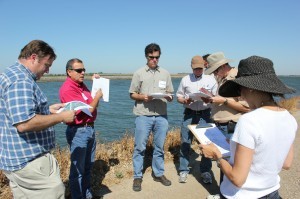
[20,100]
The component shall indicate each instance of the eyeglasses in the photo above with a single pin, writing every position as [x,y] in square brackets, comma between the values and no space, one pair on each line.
[78,70]
[153,57]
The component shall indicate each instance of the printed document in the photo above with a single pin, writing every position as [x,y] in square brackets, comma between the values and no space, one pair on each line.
[102,83]
[211,134]
[76,105]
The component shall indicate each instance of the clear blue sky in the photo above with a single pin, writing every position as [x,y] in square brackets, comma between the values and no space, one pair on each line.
[110,36]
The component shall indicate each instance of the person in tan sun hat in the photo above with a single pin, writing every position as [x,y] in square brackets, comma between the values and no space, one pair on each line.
[194,110]
[225,110]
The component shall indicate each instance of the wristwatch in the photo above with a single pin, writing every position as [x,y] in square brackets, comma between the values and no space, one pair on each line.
[219,161]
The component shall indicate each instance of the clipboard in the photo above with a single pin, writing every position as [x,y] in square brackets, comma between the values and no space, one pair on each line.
[211,134]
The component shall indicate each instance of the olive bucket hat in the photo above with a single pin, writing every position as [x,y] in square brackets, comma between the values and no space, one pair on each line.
[255,73]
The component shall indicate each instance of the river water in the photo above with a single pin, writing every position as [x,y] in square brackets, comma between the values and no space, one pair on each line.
[115,118]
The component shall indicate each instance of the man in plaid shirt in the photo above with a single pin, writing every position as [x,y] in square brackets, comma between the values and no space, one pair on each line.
[26,132]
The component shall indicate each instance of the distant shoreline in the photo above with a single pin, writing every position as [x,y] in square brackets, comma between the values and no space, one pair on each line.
[61,78]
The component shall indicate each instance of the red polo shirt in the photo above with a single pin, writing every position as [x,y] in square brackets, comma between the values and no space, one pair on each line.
[72,91]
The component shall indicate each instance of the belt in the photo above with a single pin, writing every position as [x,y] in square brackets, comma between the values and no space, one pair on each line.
[88,124]
[230,126]
[224,123]
[38,156]
[190,111]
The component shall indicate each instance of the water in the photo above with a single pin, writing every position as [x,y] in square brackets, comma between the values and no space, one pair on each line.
[115,118]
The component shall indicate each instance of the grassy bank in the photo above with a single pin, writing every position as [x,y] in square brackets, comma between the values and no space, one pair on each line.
[113,161]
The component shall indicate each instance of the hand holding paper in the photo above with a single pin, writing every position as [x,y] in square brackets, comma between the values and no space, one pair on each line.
[76,105]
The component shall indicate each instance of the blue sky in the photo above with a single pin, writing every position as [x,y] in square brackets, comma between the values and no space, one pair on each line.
[110,36]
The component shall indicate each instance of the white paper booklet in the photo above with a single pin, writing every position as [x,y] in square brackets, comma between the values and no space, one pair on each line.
[211,134]
[76,105]
[102,83]
[197,96]
[159,95]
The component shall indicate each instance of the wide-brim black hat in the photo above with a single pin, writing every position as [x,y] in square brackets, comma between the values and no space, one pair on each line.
[255,73]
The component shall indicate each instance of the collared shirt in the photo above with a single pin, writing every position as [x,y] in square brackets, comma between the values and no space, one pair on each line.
[191,84]
[223,113]
[72,91]
[146,81]
[20,100]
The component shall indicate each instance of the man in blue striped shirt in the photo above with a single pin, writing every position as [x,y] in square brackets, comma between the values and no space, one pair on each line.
[26,130]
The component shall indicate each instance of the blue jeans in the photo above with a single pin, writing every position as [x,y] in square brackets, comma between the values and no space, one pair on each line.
[143,126]
[186,140]
[82,147]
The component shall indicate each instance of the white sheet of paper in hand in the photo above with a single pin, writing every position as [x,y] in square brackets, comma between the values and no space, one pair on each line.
[102,83]
[212,134]
[76,105]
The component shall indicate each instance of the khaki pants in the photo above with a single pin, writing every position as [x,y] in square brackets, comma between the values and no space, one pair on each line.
[40,178]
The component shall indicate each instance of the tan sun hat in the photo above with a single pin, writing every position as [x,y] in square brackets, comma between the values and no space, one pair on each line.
[214,61]
[197,62]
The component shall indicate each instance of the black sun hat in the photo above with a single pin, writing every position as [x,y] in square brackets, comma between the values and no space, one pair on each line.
[255,73]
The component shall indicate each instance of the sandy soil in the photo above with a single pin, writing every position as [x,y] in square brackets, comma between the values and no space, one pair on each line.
[290,182]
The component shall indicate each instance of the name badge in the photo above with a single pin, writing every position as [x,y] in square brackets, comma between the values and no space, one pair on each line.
[162,84]
[84,97]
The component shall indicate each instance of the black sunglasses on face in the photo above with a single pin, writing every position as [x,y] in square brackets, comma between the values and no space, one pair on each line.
[78,70]
[153,57]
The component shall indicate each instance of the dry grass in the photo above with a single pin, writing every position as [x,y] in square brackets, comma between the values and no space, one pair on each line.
[113,161]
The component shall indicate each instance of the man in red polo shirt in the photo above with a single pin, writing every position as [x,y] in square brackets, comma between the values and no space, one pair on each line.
[80,134]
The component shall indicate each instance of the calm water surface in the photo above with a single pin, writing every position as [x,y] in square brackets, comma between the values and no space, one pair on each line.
[115,118]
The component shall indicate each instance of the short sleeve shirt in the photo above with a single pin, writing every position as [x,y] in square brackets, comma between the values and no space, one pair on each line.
[20,100]
[147,81]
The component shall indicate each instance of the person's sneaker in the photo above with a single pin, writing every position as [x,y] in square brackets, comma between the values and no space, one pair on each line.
[206,178]
[137,184]
[183,177]
[217,196]
[162,179]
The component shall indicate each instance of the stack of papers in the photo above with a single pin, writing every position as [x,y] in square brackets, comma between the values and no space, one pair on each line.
[159,95]
[76,105]
[197,96]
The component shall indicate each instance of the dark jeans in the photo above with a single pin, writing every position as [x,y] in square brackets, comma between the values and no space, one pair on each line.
[186,140]
[273,195]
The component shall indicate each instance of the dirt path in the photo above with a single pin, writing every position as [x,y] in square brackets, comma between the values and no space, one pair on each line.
[290,182]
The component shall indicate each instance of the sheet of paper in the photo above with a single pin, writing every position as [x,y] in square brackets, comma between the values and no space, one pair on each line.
[102,83]
[211,134]
[76,105]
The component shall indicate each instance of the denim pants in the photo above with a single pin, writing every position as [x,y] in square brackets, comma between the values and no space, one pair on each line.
[186,140]
[82,148]
[158,125]
[273,195]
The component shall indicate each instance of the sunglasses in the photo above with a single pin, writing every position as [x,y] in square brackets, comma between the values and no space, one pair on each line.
[153,57]
[78,70]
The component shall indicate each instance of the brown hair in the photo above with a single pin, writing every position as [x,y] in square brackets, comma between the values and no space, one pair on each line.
[39,47]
